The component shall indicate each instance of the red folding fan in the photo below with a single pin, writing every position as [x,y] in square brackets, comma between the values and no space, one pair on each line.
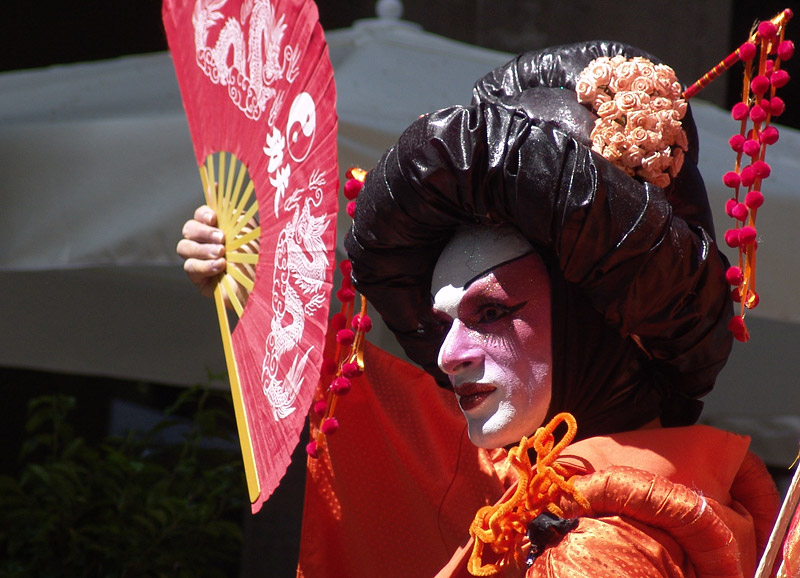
[257,85]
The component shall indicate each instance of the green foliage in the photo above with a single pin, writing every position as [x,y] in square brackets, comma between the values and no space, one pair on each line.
[127,507]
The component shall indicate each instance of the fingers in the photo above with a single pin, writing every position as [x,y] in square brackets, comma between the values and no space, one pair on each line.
[206,215]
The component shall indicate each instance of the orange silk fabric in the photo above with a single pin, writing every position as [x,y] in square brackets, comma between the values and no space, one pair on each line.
[395,491]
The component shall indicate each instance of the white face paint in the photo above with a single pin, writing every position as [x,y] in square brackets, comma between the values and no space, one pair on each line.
[498,352]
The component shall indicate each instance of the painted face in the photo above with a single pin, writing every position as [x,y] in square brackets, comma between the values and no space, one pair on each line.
[498,352]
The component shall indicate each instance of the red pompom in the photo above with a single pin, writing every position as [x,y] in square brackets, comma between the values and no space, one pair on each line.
[759,85]
[748,176]
[786,50]
[739,111]
[734,276]
[338,321]
[345,337]
[751,147]
[736,295]
[346,267]
[769,136]
[752,300]
[340,386]
[351,209]
[767,30]
[731,179]
[761,169]
[351,188]
[738,328]
[776,106]
[779,78]
[758,114]
[732,238]
[320,407]
[345,294]
[729,205]
[736,142]
[351,370]
[329,366]
[329,426]
[311,450]
[747,51]
[747,235]
[739,212]
[754,199]
[361,323]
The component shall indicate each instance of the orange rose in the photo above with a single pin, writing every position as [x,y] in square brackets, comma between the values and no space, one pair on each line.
[586,90]
[644,84]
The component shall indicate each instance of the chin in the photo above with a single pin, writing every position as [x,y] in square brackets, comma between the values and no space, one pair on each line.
[493,440]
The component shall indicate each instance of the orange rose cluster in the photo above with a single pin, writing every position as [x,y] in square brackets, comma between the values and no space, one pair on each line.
[639,107]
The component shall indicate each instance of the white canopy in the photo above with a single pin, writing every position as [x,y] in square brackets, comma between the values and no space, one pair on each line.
[99,176]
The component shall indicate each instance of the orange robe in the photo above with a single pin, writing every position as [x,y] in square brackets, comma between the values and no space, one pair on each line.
[396,488]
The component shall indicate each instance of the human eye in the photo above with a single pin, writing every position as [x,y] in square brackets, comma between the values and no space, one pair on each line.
[492,312]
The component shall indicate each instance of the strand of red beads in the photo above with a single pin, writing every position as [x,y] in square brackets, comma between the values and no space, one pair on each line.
[347,363]
[762,56]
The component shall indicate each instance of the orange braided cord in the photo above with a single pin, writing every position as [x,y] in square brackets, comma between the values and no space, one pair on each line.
[504,526]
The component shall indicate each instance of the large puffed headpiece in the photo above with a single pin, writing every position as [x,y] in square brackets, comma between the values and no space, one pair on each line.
[640,301]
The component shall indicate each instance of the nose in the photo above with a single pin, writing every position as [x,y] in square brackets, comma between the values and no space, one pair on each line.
[459,351]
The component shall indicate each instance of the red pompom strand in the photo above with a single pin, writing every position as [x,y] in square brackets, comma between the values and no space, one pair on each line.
[732,238]
[734,276]
[329,426]
[754,199]
[731,179]
[751,148]
[345,337]
[340,386]
[320,407]
[351,209]
[739,212]
[752,300]
[779,78]
[786,50]
[352,187]
[747,235]
[311,450]
[740,111]
[346,267]
[747,51]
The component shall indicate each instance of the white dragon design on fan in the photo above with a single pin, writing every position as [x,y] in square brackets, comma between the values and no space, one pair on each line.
[249,70]
[251,75]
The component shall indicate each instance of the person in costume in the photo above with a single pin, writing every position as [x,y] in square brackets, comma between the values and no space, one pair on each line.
[559,277]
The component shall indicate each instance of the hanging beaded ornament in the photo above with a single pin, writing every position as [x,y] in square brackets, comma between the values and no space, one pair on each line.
[762,56]
[347,363]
